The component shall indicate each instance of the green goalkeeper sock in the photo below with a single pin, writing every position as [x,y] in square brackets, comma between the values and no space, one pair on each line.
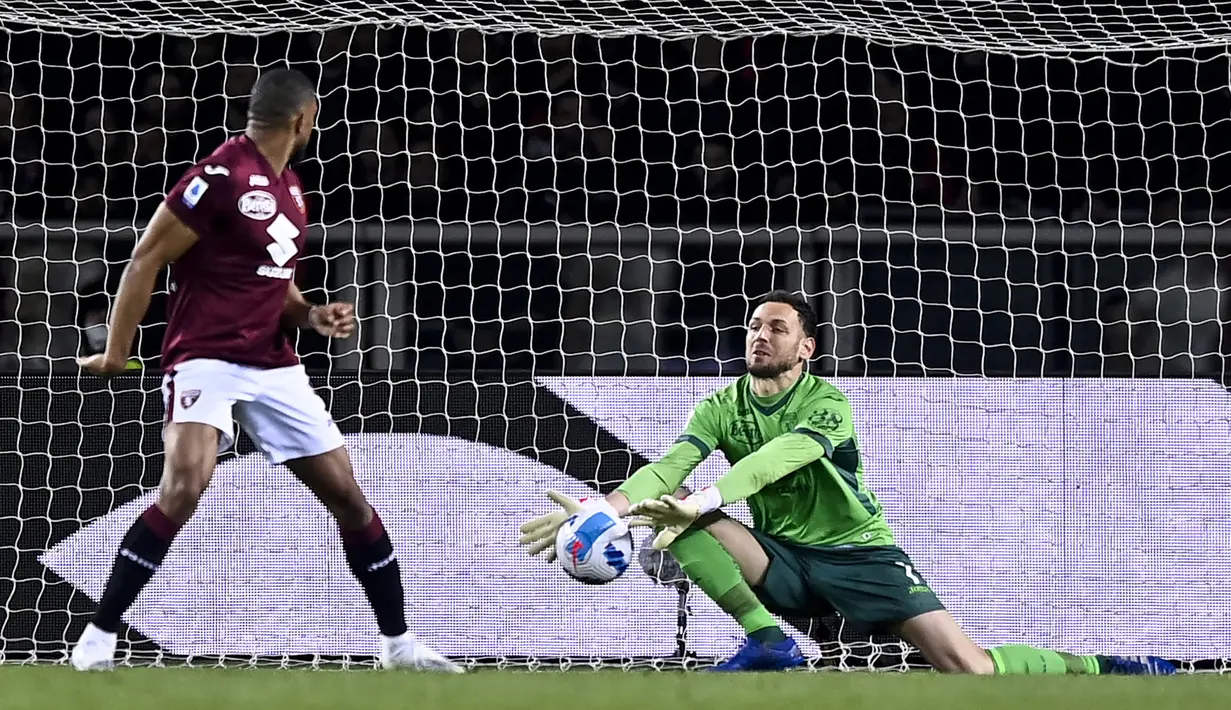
[711,568]
[1027,660]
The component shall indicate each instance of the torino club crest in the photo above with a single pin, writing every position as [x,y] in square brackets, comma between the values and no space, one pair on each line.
[189,398]
[297,195]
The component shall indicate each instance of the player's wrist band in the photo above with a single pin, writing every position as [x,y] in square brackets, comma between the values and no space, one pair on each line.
[707,499]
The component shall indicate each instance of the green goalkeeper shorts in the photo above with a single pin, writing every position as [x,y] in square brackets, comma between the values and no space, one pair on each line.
[874,588]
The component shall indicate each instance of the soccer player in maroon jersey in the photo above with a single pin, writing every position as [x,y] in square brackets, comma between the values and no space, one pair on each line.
[231,231]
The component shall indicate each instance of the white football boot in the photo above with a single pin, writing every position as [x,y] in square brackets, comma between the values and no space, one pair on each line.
[406,652]
[95,650]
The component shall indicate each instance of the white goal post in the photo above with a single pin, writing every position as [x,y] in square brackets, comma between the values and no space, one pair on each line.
[551,214]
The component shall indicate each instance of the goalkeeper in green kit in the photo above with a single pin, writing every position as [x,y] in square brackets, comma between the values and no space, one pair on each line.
[819,540]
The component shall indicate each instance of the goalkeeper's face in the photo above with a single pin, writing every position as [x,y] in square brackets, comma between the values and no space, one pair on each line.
[776,341]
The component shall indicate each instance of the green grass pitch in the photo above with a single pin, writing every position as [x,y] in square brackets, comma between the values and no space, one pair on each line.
[58,687]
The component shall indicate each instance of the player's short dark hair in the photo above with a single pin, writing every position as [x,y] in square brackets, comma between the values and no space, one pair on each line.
[278,96]
[807,316]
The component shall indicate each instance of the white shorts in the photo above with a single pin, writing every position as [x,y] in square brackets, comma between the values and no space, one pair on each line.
[277,408]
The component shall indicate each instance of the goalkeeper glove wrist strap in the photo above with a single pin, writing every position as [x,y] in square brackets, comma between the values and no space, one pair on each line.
[707,499]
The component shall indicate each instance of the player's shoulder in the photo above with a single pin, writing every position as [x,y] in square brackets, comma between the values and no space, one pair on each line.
[234,163]
[813,388]
[727,395]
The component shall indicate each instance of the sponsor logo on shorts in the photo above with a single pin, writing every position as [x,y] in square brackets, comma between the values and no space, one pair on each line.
[258,205]
[275,272]
[189,398]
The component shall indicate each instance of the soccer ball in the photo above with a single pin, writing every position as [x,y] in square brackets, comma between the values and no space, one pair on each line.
[594,546]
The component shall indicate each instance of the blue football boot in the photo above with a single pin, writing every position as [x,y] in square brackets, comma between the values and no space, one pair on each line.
[757,656]
[1138,665]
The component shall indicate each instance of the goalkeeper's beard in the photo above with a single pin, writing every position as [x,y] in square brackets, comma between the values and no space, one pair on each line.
[773,369]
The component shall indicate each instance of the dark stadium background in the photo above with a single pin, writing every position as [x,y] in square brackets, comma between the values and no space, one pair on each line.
[777,131]
[467,128]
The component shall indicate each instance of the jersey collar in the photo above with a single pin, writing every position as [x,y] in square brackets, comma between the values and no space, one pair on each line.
[250,146]
[773,407]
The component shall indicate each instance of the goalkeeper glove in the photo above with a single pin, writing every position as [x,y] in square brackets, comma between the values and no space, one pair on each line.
[669,514]
[540,534]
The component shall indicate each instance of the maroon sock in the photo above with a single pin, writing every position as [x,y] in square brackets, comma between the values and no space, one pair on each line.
[369,553]
[140,554]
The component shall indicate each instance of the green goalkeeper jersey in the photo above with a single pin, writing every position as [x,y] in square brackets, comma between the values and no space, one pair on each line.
[802,473]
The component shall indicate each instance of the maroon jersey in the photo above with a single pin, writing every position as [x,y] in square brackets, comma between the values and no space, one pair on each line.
[229,289]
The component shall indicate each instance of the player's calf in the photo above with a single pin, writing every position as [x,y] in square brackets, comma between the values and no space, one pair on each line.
[943,643]
[370,556]
[191,451]
[369,551]
[714,557]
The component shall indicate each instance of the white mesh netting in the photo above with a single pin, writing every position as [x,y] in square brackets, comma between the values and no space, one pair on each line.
[992,25]
[589,189]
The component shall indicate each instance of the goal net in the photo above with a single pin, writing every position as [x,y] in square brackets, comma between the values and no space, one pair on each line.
[550,216]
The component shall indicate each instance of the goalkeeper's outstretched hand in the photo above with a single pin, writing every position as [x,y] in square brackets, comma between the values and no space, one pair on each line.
[540,534]
[670,514]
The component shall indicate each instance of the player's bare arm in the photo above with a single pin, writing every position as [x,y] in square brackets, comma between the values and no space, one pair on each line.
[334,320]
[166,239]
[297,310]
